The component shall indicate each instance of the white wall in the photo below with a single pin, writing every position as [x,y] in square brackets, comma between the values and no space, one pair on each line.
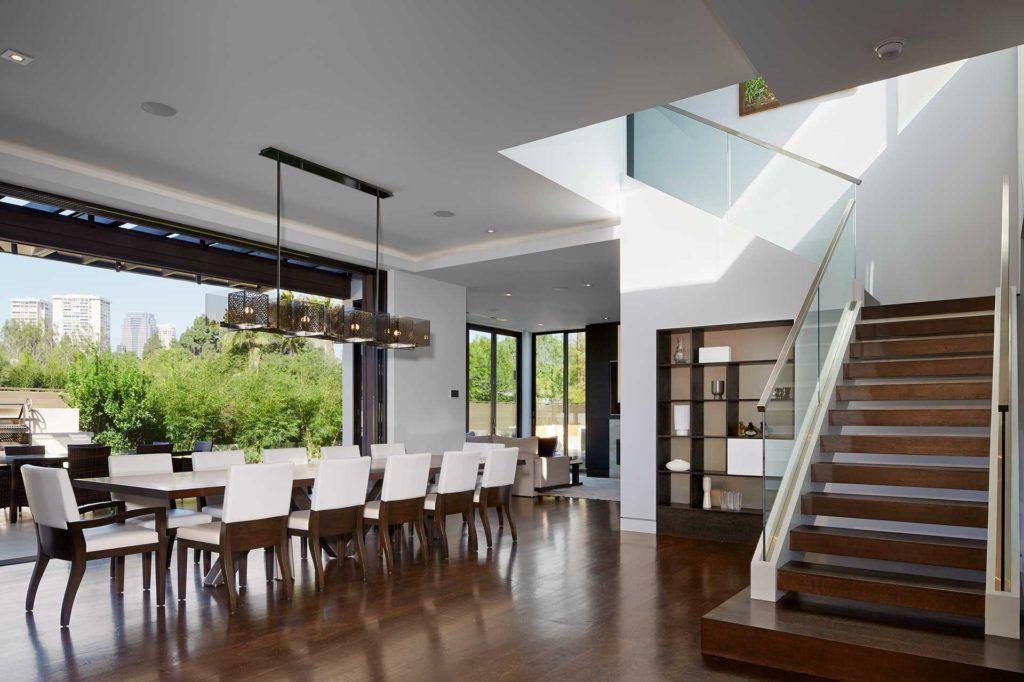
[421,412]
[681,267]
[931,148]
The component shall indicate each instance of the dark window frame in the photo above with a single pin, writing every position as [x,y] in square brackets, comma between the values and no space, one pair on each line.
[495,332]
[565,382]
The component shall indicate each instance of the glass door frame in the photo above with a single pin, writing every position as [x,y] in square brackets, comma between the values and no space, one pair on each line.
[495,332]
[565,382]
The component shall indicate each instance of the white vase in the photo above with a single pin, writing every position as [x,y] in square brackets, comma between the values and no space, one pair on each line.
[707,492]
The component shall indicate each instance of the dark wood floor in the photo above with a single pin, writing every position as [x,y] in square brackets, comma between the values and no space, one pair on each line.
[573,600]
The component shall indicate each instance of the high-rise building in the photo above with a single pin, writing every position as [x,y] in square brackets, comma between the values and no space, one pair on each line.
[31,310]
[82,316]
[136,330]
[167,333]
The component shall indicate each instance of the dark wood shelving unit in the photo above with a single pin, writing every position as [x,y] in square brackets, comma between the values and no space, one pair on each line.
[680,494]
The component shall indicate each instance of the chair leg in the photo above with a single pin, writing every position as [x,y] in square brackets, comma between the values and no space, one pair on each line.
[37,575]
[113,566]
[163,560]
[119,575]
[227,562]
[74,580]
[501,517]
[302,547]
[511,523]
[182,563]
[318,560]
[486,521]
[268,562]
[195,555]
[467,519]
[361,547]
[389,555]
[147,565]
[206,561]
[243,569]
[441,533]
[171,537]
[284,560]
[423,542]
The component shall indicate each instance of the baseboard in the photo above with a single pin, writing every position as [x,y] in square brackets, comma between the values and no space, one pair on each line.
[629,525]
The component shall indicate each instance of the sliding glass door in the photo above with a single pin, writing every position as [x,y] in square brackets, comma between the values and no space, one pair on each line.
[560,390]
[492,382]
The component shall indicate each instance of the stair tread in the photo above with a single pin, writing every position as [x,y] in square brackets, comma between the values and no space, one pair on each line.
[911,416]
[903,475]
[951,390]
[940,307]
[972,587]
[919,367]
[934,326]
[957,446]
[889,536]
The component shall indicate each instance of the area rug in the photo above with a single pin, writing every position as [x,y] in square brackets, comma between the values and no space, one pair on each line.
[592,489]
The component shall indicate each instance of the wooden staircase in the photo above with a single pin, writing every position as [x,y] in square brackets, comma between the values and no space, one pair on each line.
[896,513]
[886,461]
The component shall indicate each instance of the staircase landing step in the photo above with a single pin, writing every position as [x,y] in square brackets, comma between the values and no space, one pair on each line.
[843,640]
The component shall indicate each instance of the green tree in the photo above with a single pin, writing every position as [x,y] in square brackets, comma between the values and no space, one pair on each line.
[201,337]
[114,399]
[153,346]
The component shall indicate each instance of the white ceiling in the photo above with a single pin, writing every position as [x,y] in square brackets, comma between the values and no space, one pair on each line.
[418,97]
[548,288]
[807,48]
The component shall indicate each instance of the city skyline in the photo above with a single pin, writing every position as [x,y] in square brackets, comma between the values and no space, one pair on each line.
[136,330]
[173,302]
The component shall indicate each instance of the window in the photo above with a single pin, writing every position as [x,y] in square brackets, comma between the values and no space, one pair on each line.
[492,382]
[560,389]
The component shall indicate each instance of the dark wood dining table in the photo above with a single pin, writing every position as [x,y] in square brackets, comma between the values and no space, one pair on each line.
[188,484]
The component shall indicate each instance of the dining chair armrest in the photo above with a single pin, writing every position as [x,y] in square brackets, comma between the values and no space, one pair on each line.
[117,505]
[159,512]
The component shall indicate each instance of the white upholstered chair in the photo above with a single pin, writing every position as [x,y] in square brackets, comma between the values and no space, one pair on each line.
[335,510]
[62,533]
[401,501]
[297,456]
[385,450]
[340,451]
[496,488]
[215,461]
[454,494]
[256,502]
[144,465]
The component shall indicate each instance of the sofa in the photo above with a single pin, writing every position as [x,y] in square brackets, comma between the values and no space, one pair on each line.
[538,473]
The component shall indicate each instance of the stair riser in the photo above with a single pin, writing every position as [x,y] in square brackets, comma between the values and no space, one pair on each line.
[908,477]
[899,417]
[950,307]
[894,595]
[967,345]
[908,552]
[929,327]
[954,446]
[907,510]
[934,391]
[919,368]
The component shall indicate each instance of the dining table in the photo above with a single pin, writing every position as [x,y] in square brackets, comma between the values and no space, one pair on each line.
[182,485]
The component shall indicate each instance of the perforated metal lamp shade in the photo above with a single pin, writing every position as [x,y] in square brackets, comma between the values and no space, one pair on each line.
[357,326]
[302,317]
[240,310]
[421,332]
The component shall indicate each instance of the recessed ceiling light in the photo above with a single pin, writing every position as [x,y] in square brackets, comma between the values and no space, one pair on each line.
[444,214]
[128,226]
[587,284]
[890,49]
[19,58]
[607,318]
[540,324]
[172,235]
[508,294]
[490,231]
[501,319]
[159,109]
[67,211]
[561,289]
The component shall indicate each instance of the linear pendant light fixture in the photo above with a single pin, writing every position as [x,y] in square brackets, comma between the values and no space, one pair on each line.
[311,318]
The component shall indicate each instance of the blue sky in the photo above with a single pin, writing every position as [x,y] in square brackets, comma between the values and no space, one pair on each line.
[171,301]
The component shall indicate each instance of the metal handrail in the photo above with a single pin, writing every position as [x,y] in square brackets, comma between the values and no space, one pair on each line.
[1002,377]
[798,323]
[761,143]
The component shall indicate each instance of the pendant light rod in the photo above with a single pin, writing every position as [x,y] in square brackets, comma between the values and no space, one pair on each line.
[376,264]
[325,172]
[279,242]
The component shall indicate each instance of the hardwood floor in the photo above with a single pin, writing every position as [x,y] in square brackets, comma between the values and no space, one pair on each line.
[573,599]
